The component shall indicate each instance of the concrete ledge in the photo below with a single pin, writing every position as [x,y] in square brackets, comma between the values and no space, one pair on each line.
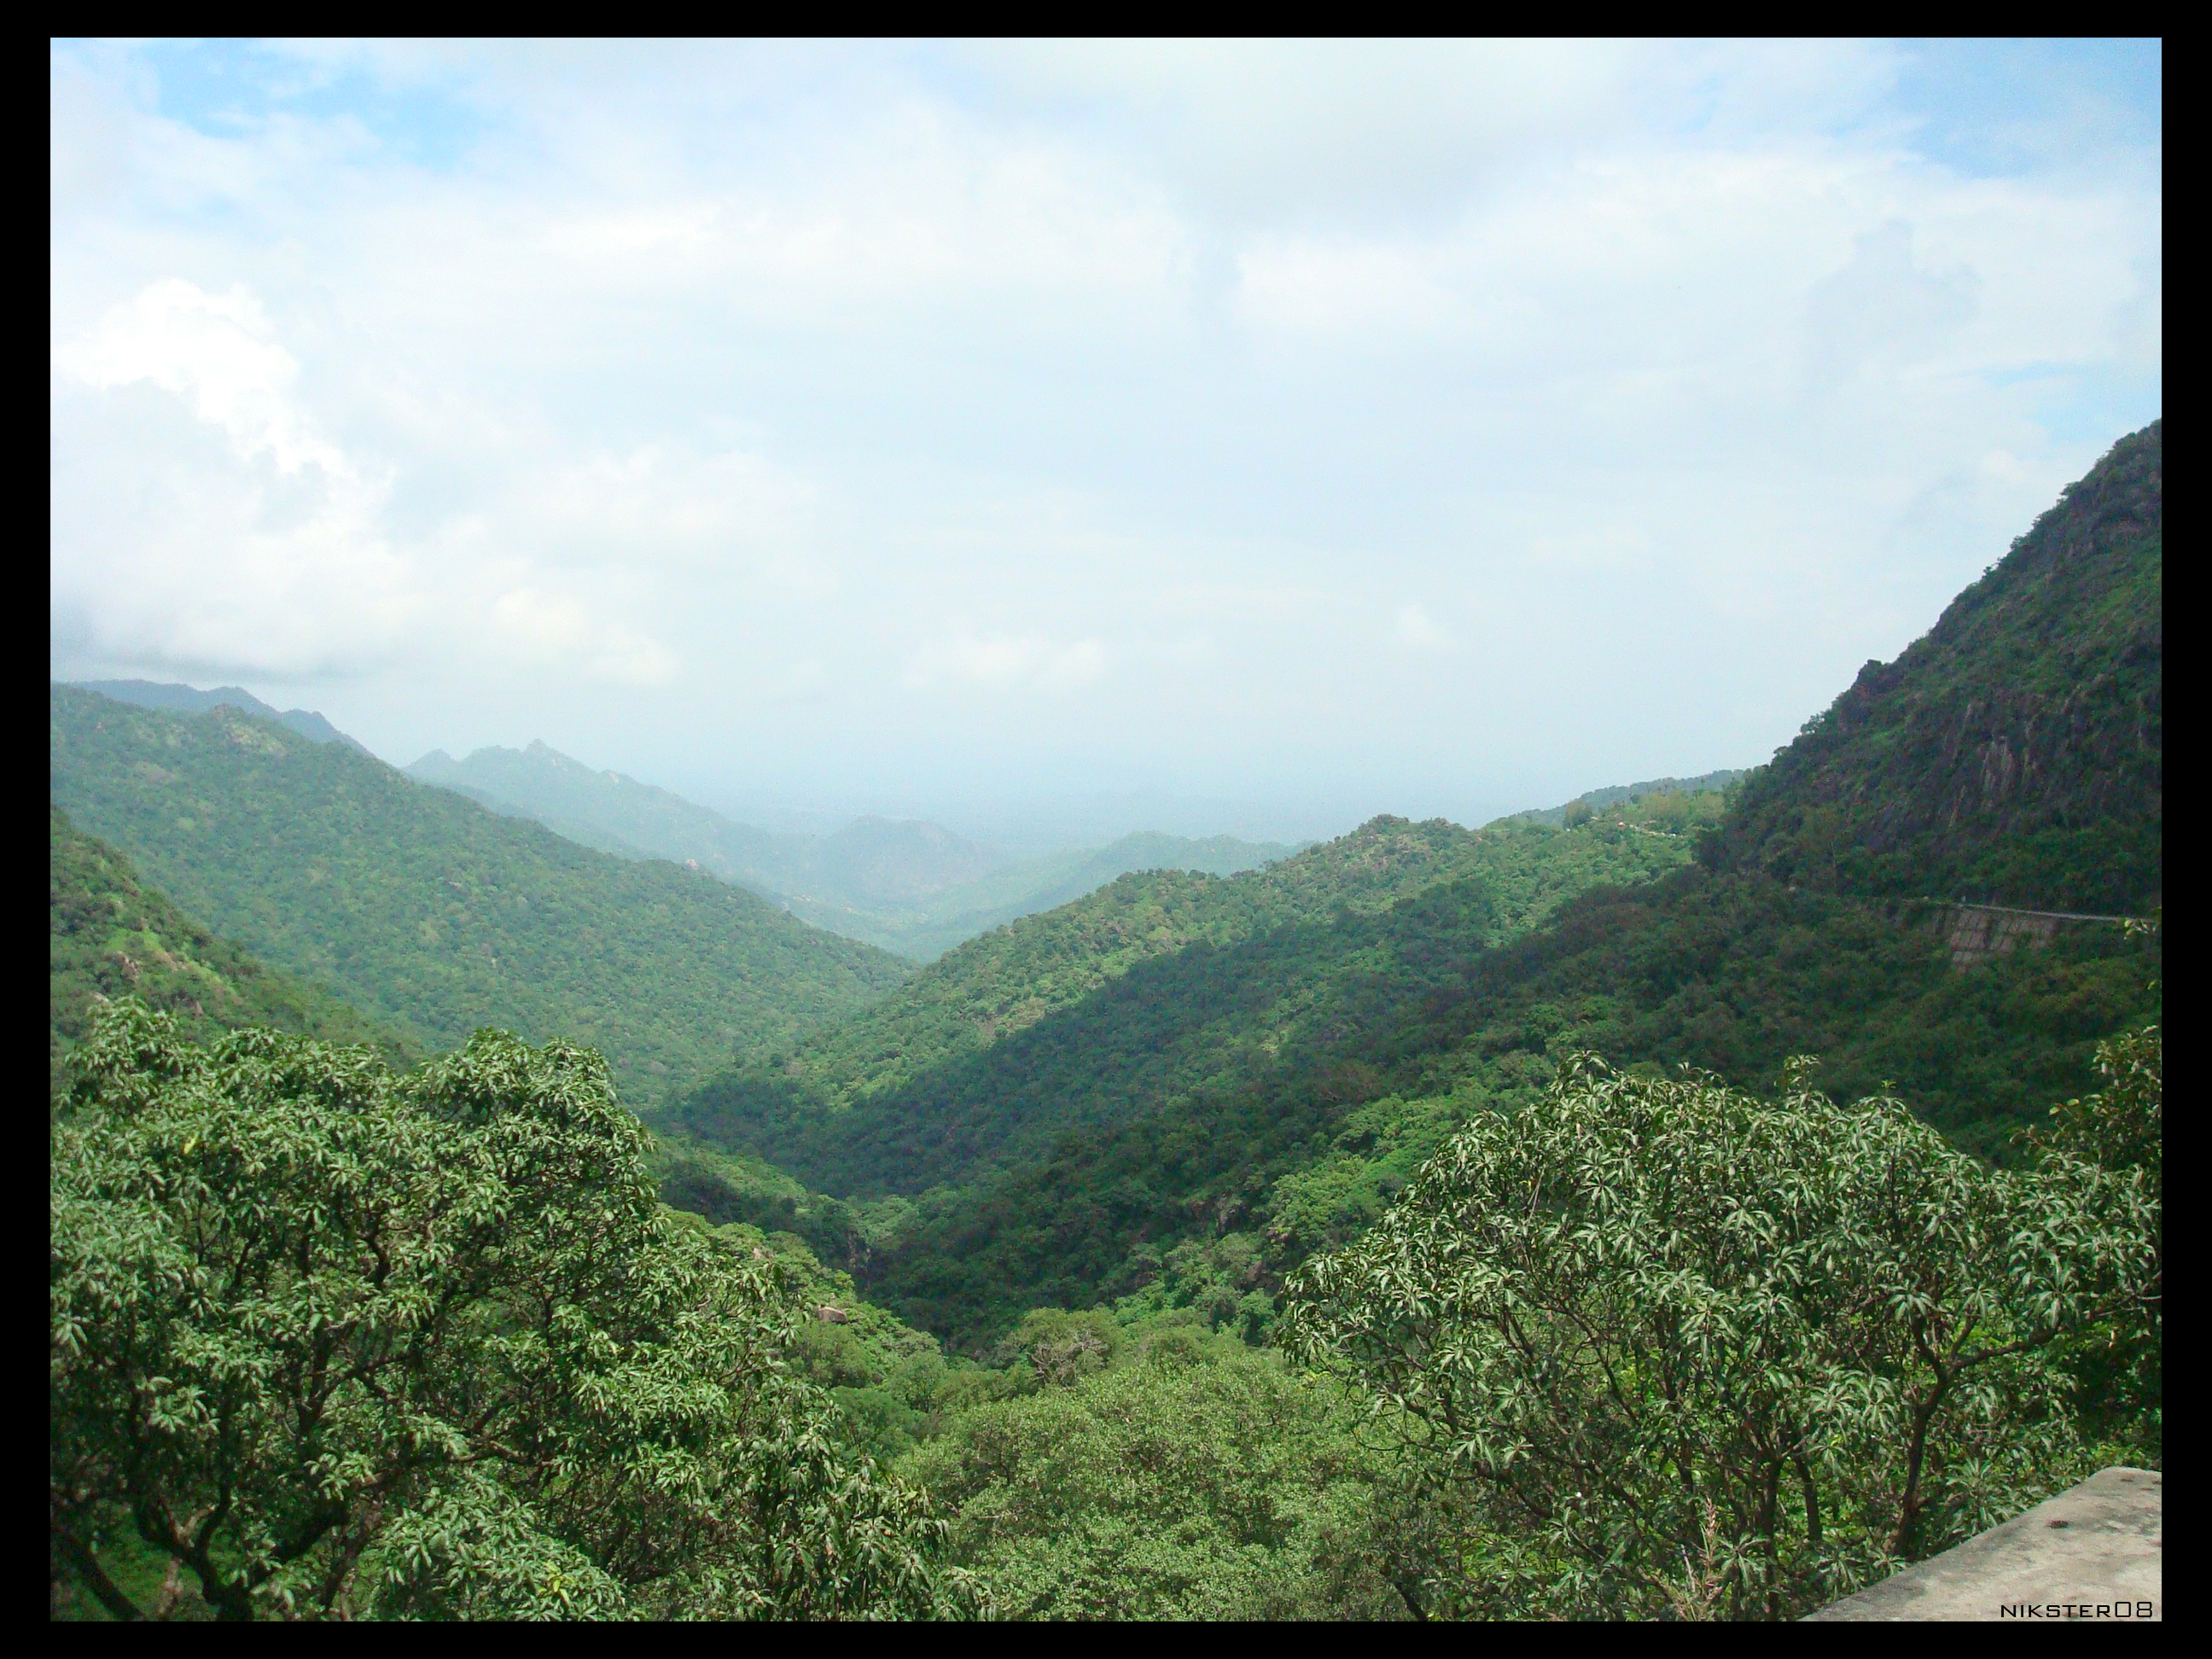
[2090,1552]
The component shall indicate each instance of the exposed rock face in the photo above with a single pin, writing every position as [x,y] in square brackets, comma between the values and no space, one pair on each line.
[2093,1552]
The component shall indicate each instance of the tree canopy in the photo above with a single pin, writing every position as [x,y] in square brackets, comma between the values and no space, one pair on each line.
[339,1342]
[1693,1353]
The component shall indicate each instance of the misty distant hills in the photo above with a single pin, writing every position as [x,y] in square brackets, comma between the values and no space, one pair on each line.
[189,699]
[907,886]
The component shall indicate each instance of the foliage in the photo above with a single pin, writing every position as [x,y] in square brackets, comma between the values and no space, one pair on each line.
[437,917]
[109,935]
[2123,1126]
[1191,1483]
[343,1343]
[2119,1372]
[1734,974]
[1695,1353]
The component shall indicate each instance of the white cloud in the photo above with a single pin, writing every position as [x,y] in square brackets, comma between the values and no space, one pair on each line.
[824,412]
[217,353]
[1418,629]
[1005,663]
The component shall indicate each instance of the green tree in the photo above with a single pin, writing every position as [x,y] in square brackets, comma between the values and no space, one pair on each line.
[1686,1352]
[1203,1480]
[342,1343]
[2120,1368]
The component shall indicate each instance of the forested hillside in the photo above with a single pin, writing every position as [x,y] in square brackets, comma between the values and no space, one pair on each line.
[926,927]
[110,935]
[429,912]
[1153,989]
[1261,1097]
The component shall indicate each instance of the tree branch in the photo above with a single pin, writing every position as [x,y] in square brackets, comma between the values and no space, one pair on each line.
[87,1566]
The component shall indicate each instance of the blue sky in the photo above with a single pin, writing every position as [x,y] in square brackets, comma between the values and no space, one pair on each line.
[1249,436]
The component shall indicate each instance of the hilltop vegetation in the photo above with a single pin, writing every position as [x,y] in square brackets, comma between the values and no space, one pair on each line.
[435,916]
[927,928]
[190,699]
[330,1342]
[112,936]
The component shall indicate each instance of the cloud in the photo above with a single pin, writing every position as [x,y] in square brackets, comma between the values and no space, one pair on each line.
[546,630]
[216,352]
[830,413]
[1001,663]
[1418,630]
[262,551]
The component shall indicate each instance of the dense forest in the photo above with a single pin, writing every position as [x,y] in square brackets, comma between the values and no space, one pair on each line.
[1633,1210]
[110,935]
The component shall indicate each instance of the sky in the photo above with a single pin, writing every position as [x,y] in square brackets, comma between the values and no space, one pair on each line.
[1058,439]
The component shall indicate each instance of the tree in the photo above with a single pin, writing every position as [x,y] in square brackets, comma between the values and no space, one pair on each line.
[2119,1370]
[1201,1480]
[1684,1352]
[339,1342]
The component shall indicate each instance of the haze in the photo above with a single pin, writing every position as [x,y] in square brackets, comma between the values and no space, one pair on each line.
[1207,438]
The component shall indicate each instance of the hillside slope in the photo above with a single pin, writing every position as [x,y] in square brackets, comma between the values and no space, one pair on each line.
[1108,1008]
[428,912]
[110,935]
[190,700]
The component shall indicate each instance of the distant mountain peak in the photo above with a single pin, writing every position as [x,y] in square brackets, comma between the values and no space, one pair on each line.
[190,700]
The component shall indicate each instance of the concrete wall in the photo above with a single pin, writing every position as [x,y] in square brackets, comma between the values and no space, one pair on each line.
[2091,1552]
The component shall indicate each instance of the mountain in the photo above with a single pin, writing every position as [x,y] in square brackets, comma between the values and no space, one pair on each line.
[1070,1123]
[436,916]
[109,935]
[184,699]
[1155,984]
[925,929]
[906,885]
[611,811]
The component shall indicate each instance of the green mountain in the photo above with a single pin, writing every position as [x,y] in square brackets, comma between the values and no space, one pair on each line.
[610,810]
[1153,986]
[1071,1124]
[189,699]
[909,886]
[109,936]
[927,930]
[433,915]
